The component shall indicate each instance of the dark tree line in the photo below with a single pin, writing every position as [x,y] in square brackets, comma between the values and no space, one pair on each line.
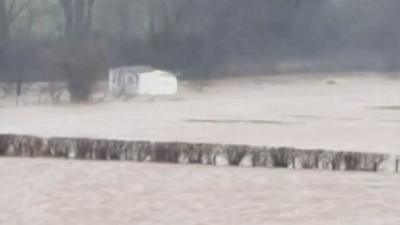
[78,17]
[200,38]
[206,37]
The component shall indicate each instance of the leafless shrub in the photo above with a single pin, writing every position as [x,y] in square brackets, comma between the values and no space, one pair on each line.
[6,90]
[85,63]
[80,63]
[53,90]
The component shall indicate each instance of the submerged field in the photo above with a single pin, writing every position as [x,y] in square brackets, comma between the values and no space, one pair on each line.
[338,112]
[355,112]
[46,192]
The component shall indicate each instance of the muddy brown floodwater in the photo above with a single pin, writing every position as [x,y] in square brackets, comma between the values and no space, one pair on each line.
[360,113]
[47,192]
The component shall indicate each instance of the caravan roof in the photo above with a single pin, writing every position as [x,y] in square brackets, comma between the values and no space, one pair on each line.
[135,69]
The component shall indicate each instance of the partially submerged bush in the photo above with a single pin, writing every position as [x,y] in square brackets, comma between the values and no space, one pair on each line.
[7,89]
[80,63]
[85,63]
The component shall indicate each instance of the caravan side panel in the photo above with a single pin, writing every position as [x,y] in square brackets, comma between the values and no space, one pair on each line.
[111,84]
[157,83]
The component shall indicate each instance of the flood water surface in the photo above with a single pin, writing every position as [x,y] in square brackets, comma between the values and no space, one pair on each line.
[47,192]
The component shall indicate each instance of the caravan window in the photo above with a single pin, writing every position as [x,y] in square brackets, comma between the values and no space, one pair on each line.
[131,79]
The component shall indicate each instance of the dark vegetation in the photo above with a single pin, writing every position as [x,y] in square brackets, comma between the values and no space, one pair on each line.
[207,154]
[77,41]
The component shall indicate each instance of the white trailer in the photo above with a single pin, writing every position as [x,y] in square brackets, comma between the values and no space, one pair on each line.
[142,80]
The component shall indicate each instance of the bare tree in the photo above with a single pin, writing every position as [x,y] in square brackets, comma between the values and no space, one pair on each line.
[83,55]
[78,17]
[10,10]
[13,62]
[4,24]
